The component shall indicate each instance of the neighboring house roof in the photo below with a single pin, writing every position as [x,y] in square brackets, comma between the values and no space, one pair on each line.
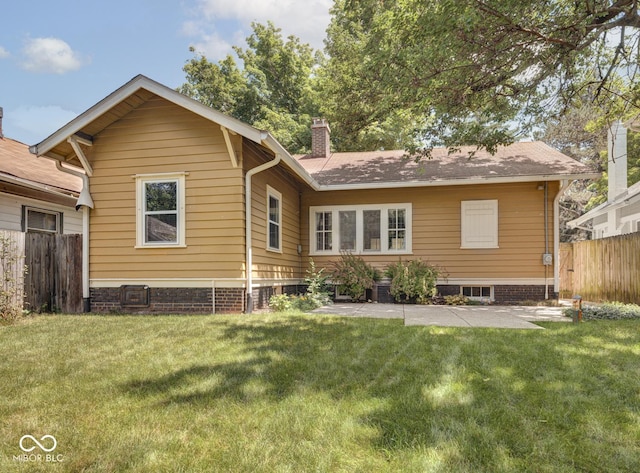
[21,169]
[628,197]
[524,161]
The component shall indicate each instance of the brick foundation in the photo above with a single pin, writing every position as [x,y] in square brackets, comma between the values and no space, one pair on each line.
[502,294]
[170,301]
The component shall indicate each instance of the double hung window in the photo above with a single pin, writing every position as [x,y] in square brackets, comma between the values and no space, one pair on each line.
[274,207]
[160,210]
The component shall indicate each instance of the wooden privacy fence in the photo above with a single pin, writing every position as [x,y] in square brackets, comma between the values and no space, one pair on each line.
[607,269]
[53,278]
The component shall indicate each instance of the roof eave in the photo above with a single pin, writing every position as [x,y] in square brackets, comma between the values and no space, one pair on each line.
[135,84]
[457,182]
[59,192]
[603,209]
[270,142]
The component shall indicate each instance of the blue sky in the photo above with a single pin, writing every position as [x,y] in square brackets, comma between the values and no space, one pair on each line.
[58,58]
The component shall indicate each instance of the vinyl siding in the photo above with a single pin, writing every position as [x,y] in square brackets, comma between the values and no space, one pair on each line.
[11,213]
[160,137]
[437,227]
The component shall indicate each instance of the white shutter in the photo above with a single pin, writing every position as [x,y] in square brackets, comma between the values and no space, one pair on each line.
[479,224]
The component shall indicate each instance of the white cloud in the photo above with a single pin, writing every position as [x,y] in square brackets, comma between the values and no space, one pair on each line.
[50,55]
[307,20]
[4,53]
[32,124]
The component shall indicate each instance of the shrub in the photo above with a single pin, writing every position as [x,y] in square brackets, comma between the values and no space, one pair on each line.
[317,288]
[608,311]
[316,296]
[280,302]
[353,276]
[457,299]
[413,280]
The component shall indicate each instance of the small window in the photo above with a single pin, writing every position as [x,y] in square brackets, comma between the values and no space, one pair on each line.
[161,215]
[477,292]
[324,231]
[274,206]
[397,229]
[479,224]
[42,221]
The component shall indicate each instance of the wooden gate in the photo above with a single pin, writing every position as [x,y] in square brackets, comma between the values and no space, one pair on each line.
[53,282]
[606,269]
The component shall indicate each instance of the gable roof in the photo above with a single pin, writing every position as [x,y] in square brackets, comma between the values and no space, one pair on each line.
[131,95]
[20,168]
[525,161]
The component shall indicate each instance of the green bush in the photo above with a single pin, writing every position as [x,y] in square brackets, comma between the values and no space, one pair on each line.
[457,299]
[607,311]
[316,296]
[281,303]
[318,290]
[412,281]
[354,276]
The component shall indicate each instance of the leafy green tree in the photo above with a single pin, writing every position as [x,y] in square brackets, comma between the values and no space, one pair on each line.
[479,71]
[274,89]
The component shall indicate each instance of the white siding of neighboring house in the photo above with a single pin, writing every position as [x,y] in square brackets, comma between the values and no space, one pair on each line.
[11,213]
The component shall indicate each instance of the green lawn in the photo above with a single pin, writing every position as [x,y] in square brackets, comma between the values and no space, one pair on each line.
[297,393]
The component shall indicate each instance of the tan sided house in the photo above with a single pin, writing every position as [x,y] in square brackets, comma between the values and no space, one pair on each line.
[183,199]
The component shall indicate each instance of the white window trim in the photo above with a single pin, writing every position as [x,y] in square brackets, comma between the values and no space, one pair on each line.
[359,209]
[57,214]
[464,226]
[479,298]
[634,222]
[141,180]
[271,192]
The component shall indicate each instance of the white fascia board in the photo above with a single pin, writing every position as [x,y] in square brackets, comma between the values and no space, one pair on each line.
[121,94]
[455,182]
[603,209]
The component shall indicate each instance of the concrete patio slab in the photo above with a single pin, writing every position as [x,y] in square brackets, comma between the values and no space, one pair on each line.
[517,317]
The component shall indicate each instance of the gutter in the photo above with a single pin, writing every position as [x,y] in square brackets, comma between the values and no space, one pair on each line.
[248,230]
[36,186]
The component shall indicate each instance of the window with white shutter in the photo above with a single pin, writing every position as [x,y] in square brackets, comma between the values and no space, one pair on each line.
[479,224]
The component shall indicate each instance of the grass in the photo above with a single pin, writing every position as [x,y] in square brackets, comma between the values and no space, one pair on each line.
[297,393]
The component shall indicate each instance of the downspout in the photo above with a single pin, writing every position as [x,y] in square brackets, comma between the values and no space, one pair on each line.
[564,185]
[86,202]
[248,234]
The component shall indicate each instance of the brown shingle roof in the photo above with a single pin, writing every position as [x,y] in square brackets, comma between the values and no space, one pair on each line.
[17,161]
[517,161]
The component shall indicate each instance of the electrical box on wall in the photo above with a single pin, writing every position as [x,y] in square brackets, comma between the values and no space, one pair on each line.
[547,259]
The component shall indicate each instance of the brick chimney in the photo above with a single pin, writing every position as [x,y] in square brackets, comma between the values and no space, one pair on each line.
[320,142]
